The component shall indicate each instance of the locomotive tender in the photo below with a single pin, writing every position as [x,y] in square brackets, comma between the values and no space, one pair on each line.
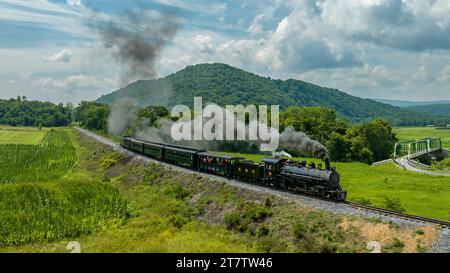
[275,172]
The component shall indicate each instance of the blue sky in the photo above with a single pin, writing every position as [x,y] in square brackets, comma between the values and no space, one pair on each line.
[370,48]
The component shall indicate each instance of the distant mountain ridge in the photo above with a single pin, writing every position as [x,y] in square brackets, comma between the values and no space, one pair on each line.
[406,103]
[223,84]
[432,109]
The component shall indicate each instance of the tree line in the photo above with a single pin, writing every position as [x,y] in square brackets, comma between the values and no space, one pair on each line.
[365,142]
[22,112]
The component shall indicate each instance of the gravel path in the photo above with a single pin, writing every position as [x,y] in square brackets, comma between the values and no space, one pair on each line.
[441,245]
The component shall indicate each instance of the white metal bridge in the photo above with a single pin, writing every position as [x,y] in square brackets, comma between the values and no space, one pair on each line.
[418,147]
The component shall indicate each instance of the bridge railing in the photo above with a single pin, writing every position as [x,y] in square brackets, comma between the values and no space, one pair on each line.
[415,148]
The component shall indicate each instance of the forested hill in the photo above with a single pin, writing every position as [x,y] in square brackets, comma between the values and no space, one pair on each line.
[223,84]
[432,109]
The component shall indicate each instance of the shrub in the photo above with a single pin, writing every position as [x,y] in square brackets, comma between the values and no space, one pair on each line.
[396,246]
[178,221]
[233,221]
[300,230]
[108,161]
[178,191]
[363,201]
[262,230]
[256,213]
[393,204]
[246,215]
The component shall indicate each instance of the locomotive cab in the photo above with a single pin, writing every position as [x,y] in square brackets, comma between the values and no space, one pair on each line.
[272,167]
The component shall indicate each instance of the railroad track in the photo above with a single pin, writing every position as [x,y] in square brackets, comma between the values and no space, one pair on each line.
[397,214]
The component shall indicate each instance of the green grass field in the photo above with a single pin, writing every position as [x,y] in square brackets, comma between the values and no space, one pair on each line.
[21,135]
[407,133]
[419,194]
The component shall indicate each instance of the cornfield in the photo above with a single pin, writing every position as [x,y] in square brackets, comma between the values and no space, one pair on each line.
[28,163]
[38,204]
[31,212]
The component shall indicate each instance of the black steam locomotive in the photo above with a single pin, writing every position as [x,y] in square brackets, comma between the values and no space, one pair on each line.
[275,172]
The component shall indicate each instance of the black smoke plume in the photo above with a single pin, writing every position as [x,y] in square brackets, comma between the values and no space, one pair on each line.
[135,41]
[299,141]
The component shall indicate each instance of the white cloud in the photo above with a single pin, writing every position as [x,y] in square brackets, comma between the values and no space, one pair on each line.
[63,56]
[74,82]
[223,8]
[74,3]
[298,44]
[256,26]
[71,88]
[444,75]
[365,81]
[204,44]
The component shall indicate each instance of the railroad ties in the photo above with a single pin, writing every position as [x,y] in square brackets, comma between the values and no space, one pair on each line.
[401,215]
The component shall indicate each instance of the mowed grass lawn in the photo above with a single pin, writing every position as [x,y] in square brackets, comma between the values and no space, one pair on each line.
[419,194]
[408,133]
[21,135]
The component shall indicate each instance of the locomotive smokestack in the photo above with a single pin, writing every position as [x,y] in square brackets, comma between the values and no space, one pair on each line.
[327,163]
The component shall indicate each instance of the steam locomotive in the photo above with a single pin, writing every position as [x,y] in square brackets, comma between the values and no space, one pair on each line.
[275,172]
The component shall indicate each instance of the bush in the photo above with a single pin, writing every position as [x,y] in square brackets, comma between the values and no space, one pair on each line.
[393,204]
[233,221]
[256,213]
[241,218]
[178,191]
[262,230]
[300,230]
[363,201]
[108,161]
[426,159]
[396,246]
[366,155]
[178,221]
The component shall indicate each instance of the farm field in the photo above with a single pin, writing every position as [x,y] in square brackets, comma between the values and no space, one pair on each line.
[419,194]
[38,204]
[51,159]
[405,133]
[21,135]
